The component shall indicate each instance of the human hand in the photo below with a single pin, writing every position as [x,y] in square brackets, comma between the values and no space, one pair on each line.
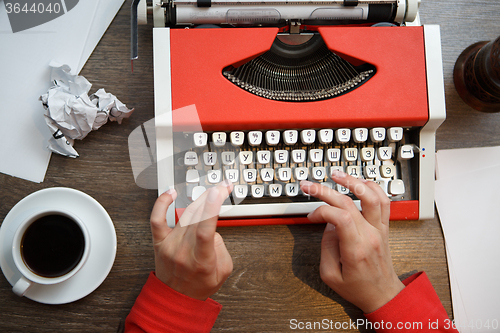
[355,257]
[193,259]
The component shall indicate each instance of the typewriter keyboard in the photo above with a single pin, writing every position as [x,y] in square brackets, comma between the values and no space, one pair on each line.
[266,166]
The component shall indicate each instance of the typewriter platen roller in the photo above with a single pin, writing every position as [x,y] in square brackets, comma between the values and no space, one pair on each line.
[256,67]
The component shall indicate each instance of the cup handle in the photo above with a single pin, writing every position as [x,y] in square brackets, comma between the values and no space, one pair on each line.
[21,287]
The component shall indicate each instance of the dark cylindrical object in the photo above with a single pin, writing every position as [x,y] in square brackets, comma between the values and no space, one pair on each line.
[477,76]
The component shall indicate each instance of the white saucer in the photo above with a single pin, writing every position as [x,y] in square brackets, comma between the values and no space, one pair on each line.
[102,237]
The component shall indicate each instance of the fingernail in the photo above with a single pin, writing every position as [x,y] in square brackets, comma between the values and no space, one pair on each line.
[213,195]
[363,180]
[329,227]
[226,183]
[306,183]
[338,174]
[172,192]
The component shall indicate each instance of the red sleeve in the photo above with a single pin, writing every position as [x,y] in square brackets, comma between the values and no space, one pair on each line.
[159,308]
[416,308]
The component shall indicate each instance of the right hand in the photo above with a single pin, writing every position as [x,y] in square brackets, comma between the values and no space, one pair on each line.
[355,257]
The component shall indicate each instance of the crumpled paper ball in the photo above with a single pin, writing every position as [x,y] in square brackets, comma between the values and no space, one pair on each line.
[71,114]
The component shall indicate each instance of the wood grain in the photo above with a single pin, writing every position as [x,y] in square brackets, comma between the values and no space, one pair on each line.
[275,277]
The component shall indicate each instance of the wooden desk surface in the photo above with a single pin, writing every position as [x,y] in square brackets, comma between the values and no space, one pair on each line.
[275,277]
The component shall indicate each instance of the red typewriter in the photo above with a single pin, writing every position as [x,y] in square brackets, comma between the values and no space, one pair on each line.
[266,94]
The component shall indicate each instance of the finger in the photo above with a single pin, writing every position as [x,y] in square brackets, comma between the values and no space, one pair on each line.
[330,196]
[385,203]
[330,266]
[197,212]
[192,213]
[205,230]
[224,260]
[214,203]
[370,200]
[345,227]
[158,219]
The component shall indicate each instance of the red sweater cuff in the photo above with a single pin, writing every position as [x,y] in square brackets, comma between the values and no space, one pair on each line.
[159,308]
[416,308]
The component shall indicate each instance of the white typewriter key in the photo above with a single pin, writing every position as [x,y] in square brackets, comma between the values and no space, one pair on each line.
[275,190]
[249,175]
[267,174]
[405,152]
[272,138]
[387,170]
[192,176]
[264,157]
[367,154]
[240,191]
[255,138]
[200,139]
[316,155]
[292,189]
[219,138]
[377,134]
[384,153]
[246,157]
[318,173]
[325,136]
[284,174]
[343,135]
[228,157]
[257,191]
[214,176]
[298,156]
[190,158]
[396,187]
[360,135]
[371,171]
[333,155]
[395,134]
[308,136]
[301,173]
[351,154]
[237,138]
[341,189]
[197,192]
[336,168]
[233,175]
[290,137]
[281,156]
[354,170]
[209,158]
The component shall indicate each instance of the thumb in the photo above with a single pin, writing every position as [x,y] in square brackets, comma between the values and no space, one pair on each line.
[159,226]
[330,266]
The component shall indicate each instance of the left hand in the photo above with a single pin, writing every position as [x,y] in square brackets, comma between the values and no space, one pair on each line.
[193,259]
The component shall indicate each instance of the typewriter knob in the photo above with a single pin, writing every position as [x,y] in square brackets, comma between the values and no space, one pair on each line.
[477,76]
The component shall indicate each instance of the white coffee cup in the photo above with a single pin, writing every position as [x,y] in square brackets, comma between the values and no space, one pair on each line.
[49,247]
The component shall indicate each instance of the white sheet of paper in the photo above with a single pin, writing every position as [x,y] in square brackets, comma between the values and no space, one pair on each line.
[467,202]
[453,162]
[25,75]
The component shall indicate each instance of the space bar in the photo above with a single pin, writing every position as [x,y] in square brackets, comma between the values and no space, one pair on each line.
[272,209]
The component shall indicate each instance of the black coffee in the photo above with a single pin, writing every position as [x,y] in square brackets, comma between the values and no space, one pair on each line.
[52,245]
